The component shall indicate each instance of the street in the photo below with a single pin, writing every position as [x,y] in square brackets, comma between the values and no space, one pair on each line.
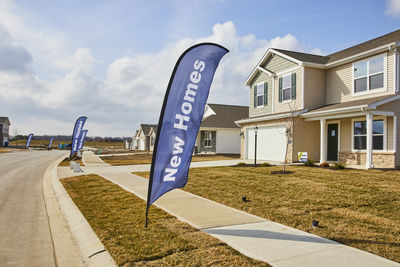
[25,238]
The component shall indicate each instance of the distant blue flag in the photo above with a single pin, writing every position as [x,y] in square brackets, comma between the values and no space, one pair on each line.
[180,118]
[28,142]
[76,134]
[82,139]
[51,141]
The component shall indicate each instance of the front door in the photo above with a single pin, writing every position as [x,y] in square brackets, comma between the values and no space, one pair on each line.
[333,136]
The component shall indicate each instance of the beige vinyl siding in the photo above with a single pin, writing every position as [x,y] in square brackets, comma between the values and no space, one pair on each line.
[389,133]
[265,110]
[339,82]
[291,105]
[306,135]
[314,88]
[277,64]
[345,135]
[393,106]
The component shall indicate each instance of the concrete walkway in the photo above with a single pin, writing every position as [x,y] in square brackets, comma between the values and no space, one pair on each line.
[253,236]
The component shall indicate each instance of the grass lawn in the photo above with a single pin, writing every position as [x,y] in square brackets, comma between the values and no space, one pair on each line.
[146,158]
[355,207]
[117,217]
[104,144]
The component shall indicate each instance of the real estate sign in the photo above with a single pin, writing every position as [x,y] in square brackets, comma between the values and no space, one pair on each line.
[180,118]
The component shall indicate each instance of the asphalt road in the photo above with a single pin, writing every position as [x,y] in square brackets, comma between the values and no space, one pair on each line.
[25,238]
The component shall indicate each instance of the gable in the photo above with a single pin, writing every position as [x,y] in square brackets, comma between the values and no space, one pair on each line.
[276,63]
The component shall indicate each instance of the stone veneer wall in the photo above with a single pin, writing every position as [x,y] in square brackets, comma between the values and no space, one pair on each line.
[379,159]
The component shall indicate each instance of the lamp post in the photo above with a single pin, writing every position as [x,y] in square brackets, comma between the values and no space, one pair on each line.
[255,145]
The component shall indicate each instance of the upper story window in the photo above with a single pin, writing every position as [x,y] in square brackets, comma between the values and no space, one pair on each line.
[261,95]
[287,87]
[369,74]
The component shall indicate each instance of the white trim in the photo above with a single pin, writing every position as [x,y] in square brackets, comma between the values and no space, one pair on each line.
[322,141]
[302,86]
[326,136]
[286,57]
[385,76]
[284,72]
[313,65]
[395,134]
[397,71]
[394,70]
[333,111]
[381,113]
[384,118]
[365,53]
[271,117]
[383,101]
[273,95]
[338,116]
[265,71]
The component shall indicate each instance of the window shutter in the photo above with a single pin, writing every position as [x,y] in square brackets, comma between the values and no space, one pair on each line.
[255,96]
[294,86]
[265,94]
[280,89]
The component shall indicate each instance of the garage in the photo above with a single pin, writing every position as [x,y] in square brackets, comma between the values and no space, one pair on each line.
[271,143]
[141,144]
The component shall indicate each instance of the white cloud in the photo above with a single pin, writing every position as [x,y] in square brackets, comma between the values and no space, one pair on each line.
[393,8]
[132,90]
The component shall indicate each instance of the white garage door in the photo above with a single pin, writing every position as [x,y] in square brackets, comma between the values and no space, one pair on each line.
[271,143]
[141,144]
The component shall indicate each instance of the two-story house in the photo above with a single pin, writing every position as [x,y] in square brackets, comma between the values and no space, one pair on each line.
[4,131]
[343,107]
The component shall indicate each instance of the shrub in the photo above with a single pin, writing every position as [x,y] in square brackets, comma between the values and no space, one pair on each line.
[241,164]
[309,163]
[324,164]
[339,166]
[266,164]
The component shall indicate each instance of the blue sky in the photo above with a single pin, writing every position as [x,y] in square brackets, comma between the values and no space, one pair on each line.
[118,55]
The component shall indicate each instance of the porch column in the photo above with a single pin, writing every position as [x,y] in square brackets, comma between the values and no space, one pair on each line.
[322,146]
[395,134]
[368,156]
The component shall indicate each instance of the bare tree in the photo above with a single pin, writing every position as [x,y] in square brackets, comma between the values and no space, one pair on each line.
[15,132]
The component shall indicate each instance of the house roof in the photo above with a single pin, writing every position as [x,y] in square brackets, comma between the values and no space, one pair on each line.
[4,120]
[367,102]
[225,116]
[304,57]
[365,46]
[146,128]
[359,50]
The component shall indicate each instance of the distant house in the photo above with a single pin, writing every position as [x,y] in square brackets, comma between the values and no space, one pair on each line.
[142,137]
[218,132]
[152,135]
[4,131]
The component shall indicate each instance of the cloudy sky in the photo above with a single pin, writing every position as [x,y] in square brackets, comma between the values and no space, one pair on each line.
[111,59]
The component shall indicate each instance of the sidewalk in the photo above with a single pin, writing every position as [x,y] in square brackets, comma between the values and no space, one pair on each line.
[253,236]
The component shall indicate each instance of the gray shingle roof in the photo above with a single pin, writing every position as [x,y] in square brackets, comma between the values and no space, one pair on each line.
[365,46]
[4,120]
[304,57]
[146,128]
[368,45]
[226,115]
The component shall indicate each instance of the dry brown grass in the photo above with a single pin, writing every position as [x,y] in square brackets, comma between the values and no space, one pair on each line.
[355,207]
[146,158]
[117,145]
[117,217]
[66,161]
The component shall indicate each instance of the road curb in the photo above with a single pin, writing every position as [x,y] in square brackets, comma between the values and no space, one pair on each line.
[75,242]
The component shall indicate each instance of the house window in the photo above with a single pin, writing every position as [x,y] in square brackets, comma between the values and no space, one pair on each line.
[260,94]
[369,74]
[360,135]
[207,139]
[286,87]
